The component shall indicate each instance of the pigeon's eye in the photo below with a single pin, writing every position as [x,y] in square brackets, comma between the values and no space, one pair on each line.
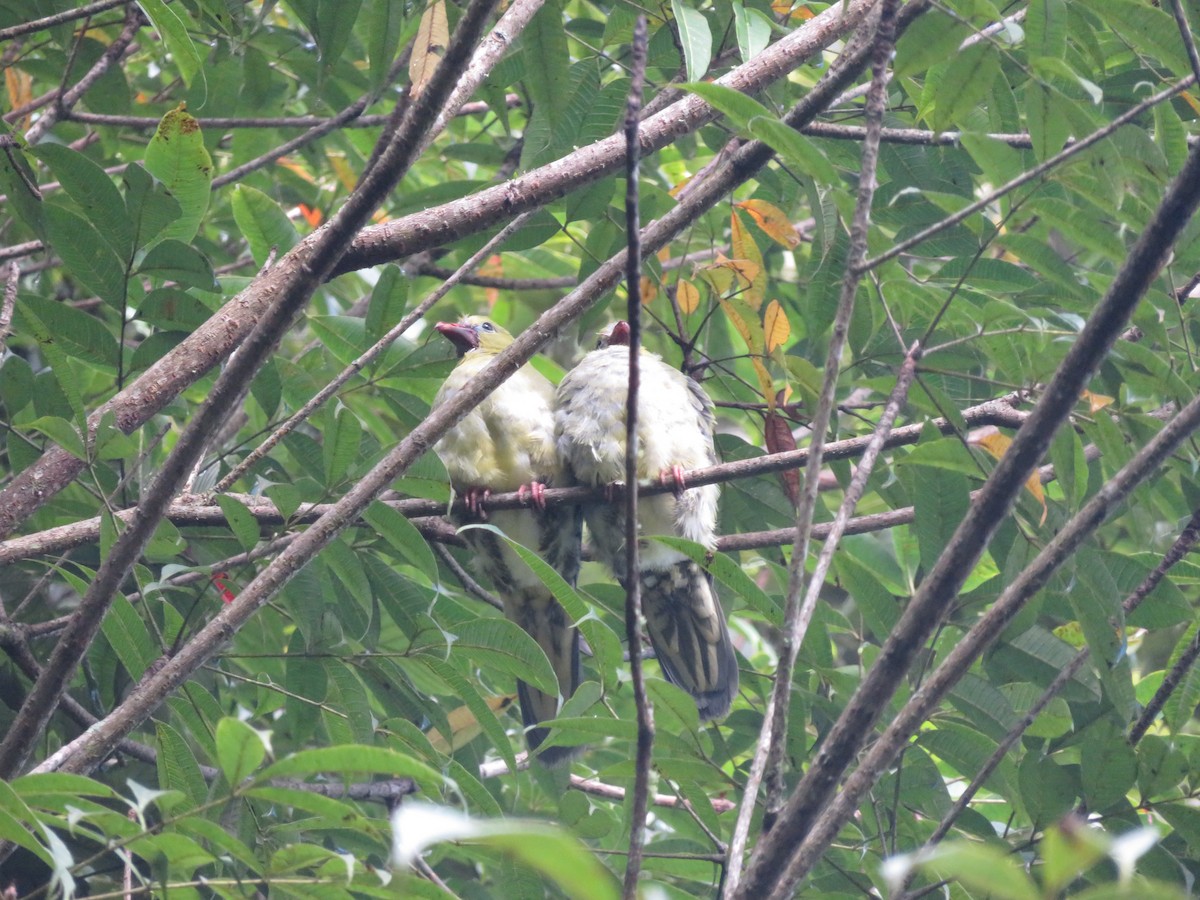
[487,326]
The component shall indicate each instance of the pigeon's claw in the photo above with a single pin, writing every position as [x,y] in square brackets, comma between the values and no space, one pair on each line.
[537,494]
[674,477]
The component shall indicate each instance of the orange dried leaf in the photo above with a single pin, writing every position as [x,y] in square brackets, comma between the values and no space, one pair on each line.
[674,192]
[433,34]
[996,444]
[688,296]
[776,327]
[772,221]
[296,168]
[493,266]
[311,216]
[745,248]
[778,436]
[20,87]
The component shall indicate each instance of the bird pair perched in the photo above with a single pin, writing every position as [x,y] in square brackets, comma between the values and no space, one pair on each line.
[526,435]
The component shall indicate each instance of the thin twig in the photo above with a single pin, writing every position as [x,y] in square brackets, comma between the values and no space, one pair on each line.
[11,281]
[70,15]
[192,510]
[795,620]
[633,595]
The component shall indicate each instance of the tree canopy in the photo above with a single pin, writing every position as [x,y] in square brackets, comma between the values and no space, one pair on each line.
[934,262]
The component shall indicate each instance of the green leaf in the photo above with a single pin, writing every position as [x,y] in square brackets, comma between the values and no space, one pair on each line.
[551,851]
[1108,764]
[753,31]
[385,22]
[61,432]
[389,298]
[174,33]
[240,750]
[14,815]
[794,148]
[73,331]
[177,766]
[18,181]
[967,80]
[605,645]
[401,534]
[127,634]
[1046,29]
[695,37]
[241,521]
[984,868]
[95,194]
[176,156]
[738,107]
[86,254]
[497,642]
[342,437]
[173,260]
[941,497]
[262,223]
[470,695]
[355,759]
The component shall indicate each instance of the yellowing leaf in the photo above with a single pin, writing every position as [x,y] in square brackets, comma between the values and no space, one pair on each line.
[744,269]
[300,170]
[776,327]
[20,91]
[764,381]
[433,34]
[1096,402]
[649,290]
[996,444]
[464,727]
[346,175]
[772,221]
[1191,101]
[745,322]
[688,296]
[745,248]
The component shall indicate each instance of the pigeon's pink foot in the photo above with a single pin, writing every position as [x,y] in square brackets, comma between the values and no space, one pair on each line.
[475,498]
[674,477]
[536,491]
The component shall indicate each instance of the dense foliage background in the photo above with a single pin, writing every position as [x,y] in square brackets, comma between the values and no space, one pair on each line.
[206,692]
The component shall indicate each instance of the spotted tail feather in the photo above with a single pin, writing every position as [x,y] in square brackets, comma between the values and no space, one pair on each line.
[689,635]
